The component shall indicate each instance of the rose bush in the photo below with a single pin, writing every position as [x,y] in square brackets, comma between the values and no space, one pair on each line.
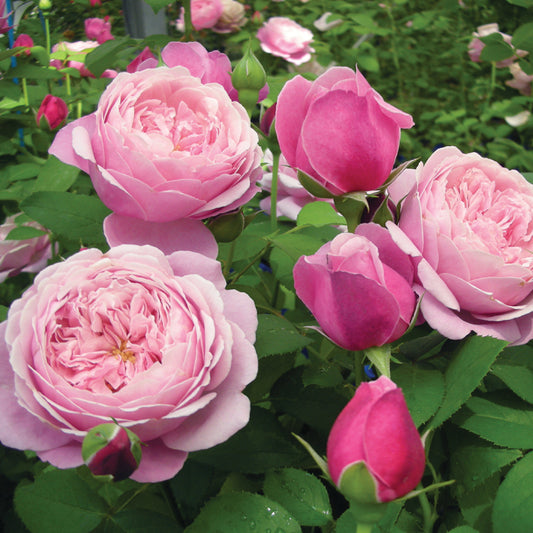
[316,133]
[163,146]
[153,341]
[468,224]
[358,287]
[282,37]
[375,431]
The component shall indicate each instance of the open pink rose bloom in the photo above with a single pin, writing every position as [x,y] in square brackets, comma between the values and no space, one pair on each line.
[163,146]
[467,223]
[154,341]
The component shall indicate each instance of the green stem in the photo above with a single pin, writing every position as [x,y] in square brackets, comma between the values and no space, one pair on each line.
[358,368]
[229,260]
[492,86]
[394,51]
[249,265]
[274,194]
[25,93]
[189,28]
[171,501]
[47,32]
[69,89]
[79,109]
[427,512]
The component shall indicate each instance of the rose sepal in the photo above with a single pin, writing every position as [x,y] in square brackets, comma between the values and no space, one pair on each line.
[312,186]
[396,172]
[352,206]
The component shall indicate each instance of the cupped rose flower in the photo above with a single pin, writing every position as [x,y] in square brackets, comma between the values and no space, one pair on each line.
[153,341]
[204,14]
[163,146]
[28,255]
[210,67]
[283,37]
[78,48]
[315,128]
[468,224]
[98,29]
[54,110]
[376,433]
[232,17]
[358,287]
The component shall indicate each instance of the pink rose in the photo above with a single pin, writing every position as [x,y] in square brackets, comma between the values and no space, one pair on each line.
[78,48]
[315,127]
[476,45]
[24,40]
[98,29]
[163,146]
[150,340]
[210,67]
[521,81]
[376,433]
[204,14]
[468,224]
[95,3]
[282,37]
[144,60]
[4,18]
[291,194]
[358,287]
[54,110]
[28,255]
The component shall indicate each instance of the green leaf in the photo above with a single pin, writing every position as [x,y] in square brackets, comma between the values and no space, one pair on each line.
[509,426]
[104,56]
[74,216]
[132,520]
[3,312]
[464,529]
[471,362]
[58,500]
[261,445]
[513,507]
[55,176]
[22,171]
[301,493]
[515,368]
[24,232]
[271,368]
[476,505]
[523,36]
[277,335]
[473,465]
[312,186]
[521,3]
[319,214]
[241,513]
[33,72]
[157,5]
[495,49]
[423,390]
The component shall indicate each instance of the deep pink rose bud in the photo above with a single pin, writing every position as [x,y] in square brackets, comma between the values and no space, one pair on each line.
[374,451]
[339,130]
[24,40]
[98,29]
[54,110]
[359,288]
[109,449]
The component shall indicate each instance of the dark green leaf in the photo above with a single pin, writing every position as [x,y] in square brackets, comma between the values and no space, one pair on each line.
[157,5]
[241,513]
[277,335]
[55,176]
[104,56]
[59,500]
[515,368]
[513,507]
[471,362]
[301,493]
[523,36]
[24,232]
[74,216]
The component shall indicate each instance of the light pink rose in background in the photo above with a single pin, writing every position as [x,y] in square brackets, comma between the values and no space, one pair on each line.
[204,14]
[98,29]
[324,24]
[77,48]
[232,17]
[521,81]
[146,59]
[315,128]
[467,222]
[210,67]
[282,37]
[291,194]
[163,146]
[476,45]
[376,429]
[153,341]
[54,110]
[358,287]
[29,255]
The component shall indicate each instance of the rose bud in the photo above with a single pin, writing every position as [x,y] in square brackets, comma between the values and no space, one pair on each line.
[248,78]
[23,40]
[374,451]
[54,110]
[110,449]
